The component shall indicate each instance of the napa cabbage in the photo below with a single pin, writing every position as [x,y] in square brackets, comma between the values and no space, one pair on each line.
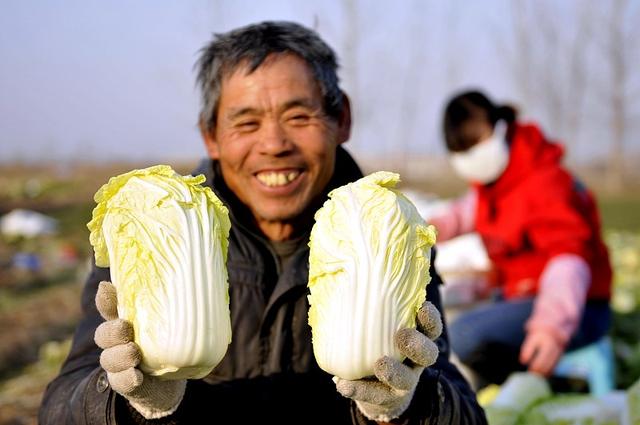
[571,409]
[520,391]
[368,271]
[164,238]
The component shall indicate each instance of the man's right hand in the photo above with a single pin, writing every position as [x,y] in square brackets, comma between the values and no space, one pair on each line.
[152,397]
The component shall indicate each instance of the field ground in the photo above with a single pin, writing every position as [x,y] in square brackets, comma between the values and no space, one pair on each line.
[39,309]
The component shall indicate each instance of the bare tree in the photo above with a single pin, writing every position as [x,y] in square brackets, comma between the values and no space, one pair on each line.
[455,45]
[568,77]
[617,50]
[548,61]
[410,84]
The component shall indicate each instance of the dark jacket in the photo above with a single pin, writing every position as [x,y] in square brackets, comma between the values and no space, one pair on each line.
[269,374]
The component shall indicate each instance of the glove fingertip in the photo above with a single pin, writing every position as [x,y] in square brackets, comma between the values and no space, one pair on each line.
[106,300]
[416,346]
[138,377]
[395,374]
[125,382]
[120,357]
[113,332]
[430,320]
[403,339]
[345,387]
[384,367]
[431,356]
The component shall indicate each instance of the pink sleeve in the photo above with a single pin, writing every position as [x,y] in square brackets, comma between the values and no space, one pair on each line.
[558,307]
[457,219]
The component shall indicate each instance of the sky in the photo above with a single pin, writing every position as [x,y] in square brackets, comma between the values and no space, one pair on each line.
[96,80]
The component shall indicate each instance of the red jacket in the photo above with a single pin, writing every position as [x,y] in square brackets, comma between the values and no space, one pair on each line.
[537,210]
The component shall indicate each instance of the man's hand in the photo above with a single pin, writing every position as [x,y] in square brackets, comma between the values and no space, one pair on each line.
[541,352]
[388,396]
[152,397]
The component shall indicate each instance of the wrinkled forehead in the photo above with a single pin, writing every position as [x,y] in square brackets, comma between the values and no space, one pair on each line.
[282,78]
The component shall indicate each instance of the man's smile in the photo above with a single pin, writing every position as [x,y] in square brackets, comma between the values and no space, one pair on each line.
[278,178]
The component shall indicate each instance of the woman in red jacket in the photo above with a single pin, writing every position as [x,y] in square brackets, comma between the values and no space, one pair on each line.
[541,230]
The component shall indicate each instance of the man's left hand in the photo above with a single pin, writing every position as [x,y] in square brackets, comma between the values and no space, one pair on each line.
[541,352]
[388,396]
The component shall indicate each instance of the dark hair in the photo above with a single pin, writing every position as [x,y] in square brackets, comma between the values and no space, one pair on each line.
[468,109]
[249,46]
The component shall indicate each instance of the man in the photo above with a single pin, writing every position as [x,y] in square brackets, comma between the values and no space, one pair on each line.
[273,118]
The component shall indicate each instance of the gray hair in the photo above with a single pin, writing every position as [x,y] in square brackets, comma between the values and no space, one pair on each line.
[250,45]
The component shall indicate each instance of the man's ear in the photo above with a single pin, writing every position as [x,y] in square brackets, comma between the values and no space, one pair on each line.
[209,138]
[344,120]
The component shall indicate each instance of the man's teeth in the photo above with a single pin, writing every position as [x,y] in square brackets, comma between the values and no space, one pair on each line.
[272,179]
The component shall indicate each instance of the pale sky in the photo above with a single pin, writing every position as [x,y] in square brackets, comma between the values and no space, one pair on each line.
[115,80]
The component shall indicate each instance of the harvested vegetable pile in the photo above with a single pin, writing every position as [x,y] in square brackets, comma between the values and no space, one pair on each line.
[527,399]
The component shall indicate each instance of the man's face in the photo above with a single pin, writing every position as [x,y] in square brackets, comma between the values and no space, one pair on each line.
[275,145]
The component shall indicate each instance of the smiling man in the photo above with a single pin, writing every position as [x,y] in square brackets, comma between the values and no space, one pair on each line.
[273,120]
[274,141]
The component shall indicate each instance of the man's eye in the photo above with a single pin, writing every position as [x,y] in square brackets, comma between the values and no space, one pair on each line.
[299,119]
[247,125]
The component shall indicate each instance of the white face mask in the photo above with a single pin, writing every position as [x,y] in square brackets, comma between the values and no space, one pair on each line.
[486,161]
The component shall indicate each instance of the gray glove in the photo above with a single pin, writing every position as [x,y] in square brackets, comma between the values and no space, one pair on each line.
[152,397]
[388,396]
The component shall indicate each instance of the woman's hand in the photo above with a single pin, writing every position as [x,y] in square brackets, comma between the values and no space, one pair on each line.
[541,351]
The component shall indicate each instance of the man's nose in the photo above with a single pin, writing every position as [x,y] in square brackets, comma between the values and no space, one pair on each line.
[274,140]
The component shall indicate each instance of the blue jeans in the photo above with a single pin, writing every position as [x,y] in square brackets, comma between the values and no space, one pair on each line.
[488,339]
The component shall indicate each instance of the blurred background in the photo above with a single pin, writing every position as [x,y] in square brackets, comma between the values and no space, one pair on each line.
[90,89]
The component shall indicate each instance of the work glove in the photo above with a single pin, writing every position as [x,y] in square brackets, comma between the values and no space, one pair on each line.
[389,394]
[152,397]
